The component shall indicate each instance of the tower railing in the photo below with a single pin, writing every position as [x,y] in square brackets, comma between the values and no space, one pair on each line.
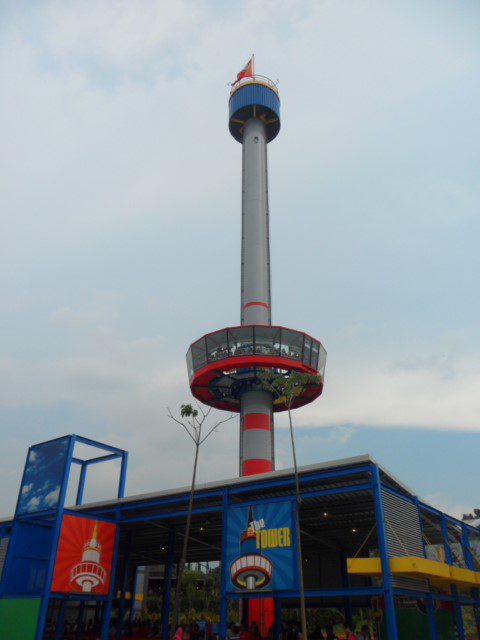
[251,79]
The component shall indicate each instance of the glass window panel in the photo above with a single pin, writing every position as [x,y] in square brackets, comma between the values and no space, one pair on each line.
[454,533]
[190,363]
[322,361]
[267,341]
[217,347]
[307,347]
[241,341]
[292,344]
[475,549]
[315,353]
[199,355]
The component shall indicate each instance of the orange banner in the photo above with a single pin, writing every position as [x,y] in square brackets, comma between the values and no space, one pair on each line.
[84,556]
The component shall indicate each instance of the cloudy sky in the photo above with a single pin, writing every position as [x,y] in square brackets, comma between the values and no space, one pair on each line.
[120,226]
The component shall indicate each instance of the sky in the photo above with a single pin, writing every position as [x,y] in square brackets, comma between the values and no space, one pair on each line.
[120,228]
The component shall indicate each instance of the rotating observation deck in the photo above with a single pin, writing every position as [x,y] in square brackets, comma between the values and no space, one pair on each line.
[224,365]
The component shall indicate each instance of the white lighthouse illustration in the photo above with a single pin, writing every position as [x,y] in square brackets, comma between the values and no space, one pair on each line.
[89,573]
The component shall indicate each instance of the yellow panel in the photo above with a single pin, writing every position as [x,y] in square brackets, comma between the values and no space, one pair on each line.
[463,577]
[364,566]
[438,573]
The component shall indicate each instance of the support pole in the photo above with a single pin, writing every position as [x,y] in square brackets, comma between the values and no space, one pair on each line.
[167,583]
[387,586]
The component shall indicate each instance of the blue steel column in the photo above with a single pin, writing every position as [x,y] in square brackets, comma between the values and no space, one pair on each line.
[123,475]
[42,614]
[167,582]
[81,484]
[107,608]
[121,606]
[470,565]
[432,625]
[448,559]
[222,627]
[387,586]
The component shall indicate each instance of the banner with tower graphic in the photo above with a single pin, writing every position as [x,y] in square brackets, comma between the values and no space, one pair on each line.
[84,556]
[261,548]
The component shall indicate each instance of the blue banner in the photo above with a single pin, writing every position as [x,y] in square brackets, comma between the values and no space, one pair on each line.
[260,548]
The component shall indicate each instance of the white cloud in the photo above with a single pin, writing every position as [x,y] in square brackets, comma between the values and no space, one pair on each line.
[120,201]
[51,499]
[33,503]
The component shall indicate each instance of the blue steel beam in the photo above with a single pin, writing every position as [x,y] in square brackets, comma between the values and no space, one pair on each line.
[99,445]
[110,456]
[172,514]
[205,495]
[281,482]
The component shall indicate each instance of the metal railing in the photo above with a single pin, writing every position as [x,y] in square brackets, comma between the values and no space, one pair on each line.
[251,79]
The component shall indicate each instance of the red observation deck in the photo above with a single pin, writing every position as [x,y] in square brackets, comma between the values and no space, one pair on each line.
[224,364]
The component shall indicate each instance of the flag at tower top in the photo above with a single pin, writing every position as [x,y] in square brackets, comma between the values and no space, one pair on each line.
[247,71]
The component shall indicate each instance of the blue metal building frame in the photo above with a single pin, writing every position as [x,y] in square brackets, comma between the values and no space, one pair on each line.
[363,476]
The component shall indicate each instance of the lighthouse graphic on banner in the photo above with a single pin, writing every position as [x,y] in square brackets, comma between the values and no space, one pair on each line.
[84,556]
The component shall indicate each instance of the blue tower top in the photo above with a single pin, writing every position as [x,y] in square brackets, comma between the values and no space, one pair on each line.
[254,97]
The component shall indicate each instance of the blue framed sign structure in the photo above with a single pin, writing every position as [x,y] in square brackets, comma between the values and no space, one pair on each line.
[25,584]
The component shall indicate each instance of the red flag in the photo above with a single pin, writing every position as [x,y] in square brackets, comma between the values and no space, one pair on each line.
[247,71]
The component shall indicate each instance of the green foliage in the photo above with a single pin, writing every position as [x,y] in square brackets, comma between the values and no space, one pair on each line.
[187,411]
[286,387]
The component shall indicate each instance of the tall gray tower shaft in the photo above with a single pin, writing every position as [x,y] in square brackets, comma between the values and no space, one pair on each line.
[255,294]
[256,423]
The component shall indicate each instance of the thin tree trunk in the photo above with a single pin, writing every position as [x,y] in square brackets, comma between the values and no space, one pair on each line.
[303,612]
[183,559]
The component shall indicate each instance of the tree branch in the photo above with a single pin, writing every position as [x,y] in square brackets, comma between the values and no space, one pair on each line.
[181,424]
[214,428]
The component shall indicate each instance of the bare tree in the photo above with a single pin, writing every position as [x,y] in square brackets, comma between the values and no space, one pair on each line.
[192,420]
[286,388]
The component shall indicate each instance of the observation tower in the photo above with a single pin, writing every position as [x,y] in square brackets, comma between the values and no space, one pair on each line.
[223,366]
